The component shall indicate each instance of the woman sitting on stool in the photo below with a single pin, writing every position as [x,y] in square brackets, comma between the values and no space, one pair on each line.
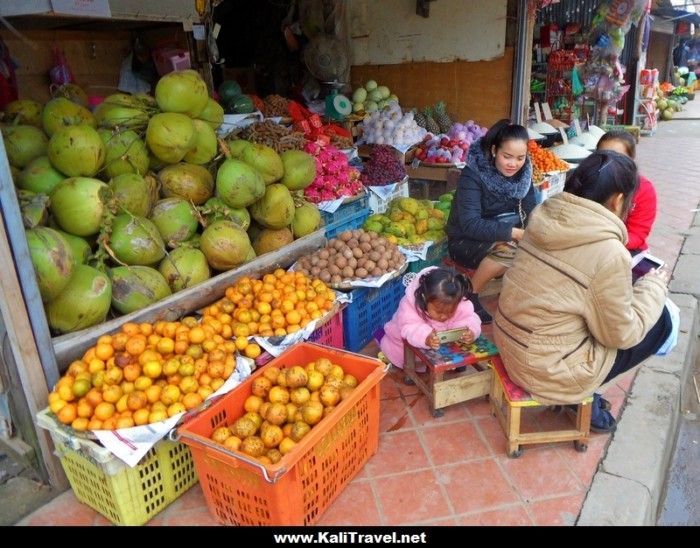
[493,198]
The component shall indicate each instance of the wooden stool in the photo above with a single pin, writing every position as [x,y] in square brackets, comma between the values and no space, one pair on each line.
[461,386]
[491,288]
[505,393]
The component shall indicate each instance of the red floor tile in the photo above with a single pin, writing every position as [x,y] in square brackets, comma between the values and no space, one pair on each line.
[421,502]
[478,407]
[422,414]
[508,515]
[557,511]
[194,516]
[455,442]
[65,509]
[388,389]
[476,486]
[540,471]
[398,452]
[394,415]
[493,434]
[354,506]
[584,465]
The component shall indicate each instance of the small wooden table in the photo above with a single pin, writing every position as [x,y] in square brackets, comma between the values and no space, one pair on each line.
[446,386]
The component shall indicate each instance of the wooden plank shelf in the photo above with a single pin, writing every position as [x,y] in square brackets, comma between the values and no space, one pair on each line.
[72,346]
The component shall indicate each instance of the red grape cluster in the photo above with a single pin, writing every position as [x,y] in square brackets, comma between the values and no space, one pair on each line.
[383,167]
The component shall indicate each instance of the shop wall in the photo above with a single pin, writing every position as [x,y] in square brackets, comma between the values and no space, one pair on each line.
[479,90]
[457,55]
[95,58]
[390,32]
[659,53]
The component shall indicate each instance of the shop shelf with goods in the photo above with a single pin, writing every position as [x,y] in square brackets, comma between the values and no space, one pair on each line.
[240,490]
[95,56]
[646,114]
[559,87]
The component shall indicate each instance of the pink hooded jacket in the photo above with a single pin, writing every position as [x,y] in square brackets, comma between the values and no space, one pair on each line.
[409,324]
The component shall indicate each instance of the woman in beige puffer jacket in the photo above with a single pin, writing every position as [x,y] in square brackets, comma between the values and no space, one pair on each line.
[569,317]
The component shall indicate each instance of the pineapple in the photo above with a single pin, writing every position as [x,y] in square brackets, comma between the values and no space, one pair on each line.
[430,124]
[442,118]
[419,118]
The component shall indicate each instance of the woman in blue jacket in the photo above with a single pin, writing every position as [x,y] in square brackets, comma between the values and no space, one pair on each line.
[493,199]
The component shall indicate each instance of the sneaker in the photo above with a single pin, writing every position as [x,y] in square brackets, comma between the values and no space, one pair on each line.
[601,402]
[480,310]
[602,422]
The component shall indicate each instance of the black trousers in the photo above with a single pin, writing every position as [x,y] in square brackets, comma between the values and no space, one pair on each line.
[657,335]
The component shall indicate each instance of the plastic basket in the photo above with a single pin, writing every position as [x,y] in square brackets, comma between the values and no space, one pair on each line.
[436,253]
[348,216]
[299,488]
[124,495]
[328,334]
[553,184]
[370,309]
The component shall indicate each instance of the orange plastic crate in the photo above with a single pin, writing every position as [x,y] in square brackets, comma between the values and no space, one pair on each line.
[296,491]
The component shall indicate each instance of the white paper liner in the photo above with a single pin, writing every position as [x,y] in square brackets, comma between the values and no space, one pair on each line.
[131,444]
[238,121]
[417,252]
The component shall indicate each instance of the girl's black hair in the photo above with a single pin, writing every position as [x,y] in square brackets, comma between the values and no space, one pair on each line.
[444,284]
[602,174]
[501,131]
[623,137]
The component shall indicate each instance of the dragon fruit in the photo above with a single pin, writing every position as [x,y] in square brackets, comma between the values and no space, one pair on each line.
[334,176]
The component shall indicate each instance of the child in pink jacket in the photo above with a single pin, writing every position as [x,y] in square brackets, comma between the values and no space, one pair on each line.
[436,300]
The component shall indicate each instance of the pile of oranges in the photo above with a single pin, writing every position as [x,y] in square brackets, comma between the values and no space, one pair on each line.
[279,304]
[284,405]
[144,374]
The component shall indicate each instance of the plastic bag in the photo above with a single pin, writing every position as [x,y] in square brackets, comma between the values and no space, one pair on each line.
[576,85]
[60,73]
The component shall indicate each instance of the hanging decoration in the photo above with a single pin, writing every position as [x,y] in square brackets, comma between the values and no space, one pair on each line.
[602,74]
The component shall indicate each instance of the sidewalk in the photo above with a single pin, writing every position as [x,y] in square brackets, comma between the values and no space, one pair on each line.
[454,471]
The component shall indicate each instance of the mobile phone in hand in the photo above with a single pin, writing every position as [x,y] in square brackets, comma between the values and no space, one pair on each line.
[642,263]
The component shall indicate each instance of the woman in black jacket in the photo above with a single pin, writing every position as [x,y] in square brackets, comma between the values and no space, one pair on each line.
[493,198]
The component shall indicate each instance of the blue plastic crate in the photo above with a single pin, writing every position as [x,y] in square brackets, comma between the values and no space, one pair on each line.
[347,217]
[436,253]
[370,309]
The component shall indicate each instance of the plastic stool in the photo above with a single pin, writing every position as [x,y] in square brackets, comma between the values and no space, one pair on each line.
[505,394]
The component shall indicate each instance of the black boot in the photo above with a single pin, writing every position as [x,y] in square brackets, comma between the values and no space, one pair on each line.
[479,309]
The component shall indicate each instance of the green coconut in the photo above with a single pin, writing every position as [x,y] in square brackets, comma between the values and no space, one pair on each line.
[275,209]
[238,184]
[121,110]
[84,302]
[125,152]
[170,136]
[134,194]
[175,219]
[184,267]
[299,169]
[215,210]
[265,160]
[24,111]
[34,208]
[76,205]
[136,240]
[80,247]
[60,112]
[307,219]
[188,181]
[53,261]
[39,176]
[136,287]
[205,144]
[225,245]
[77,151]
[237,147]
[23,144]
[213,114]
[182,91]
[270,239]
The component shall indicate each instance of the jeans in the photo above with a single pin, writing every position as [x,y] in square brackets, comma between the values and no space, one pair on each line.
[627,359]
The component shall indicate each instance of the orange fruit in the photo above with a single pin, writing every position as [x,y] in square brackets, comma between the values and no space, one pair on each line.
[252,351]
[140,416]
[68,413]
[241,343]
[104,351]
[192,400]
[197,335]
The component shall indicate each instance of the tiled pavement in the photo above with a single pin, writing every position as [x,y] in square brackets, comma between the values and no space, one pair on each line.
[453,470]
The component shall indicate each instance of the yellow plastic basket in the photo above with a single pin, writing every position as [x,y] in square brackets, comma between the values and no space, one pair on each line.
[124,495]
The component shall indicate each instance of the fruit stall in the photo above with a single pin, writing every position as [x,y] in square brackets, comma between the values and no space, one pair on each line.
[199,262]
